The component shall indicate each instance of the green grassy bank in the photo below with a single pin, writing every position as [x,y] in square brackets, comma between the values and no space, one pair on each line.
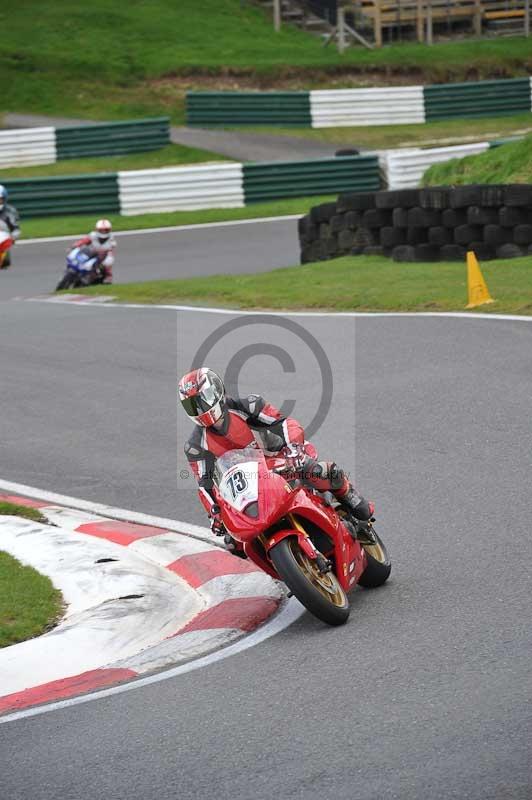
[29,603]
[124,60]
[361,283]
[509,163]
[173,155]
[63,226]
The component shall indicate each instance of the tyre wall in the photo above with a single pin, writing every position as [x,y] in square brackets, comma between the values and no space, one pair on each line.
[432,224]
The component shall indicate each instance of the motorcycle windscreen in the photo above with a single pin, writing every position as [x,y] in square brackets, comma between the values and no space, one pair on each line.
[82,258]
[237,477]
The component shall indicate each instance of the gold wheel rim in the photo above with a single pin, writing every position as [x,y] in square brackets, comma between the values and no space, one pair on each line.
[375,551]
[327,584]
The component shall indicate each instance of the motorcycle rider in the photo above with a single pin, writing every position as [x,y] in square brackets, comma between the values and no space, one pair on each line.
[10,217]
[225,423]
[102,242]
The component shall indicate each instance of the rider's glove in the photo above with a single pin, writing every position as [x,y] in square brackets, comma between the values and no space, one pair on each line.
[295,454]
[217,526]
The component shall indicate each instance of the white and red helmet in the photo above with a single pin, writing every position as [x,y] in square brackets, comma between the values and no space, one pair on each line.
[103,229]
[202,395]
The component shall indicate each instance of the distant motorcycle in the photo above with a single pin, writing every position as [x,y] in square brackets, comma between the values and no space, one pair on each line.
[6,242]
[83,268]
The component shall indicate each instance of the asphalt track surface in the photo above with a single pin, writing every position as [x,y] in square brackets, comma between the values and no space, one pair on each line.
[424,693]
[172,253]
[239,145]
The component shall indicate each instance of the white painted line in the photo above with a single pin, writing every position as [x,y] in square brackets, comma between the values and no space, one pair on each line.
[288,614]
[53,498]
[288,313]
[169,229]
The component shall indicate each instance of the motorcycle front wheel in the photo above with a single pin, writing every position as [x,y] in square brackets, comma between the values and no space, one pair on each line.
[379,564]
[320,593]
[66,282]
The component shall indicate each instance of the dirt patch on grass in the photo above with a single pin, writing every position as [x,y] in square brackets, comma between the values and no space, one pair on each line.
[294,78]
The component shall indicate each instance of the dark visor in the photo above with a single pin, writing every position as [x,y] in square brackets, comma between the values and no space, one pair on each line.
[196,405]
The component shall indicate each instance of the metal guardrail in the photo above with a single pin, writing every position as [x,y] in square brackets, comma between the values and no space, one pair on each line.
[393,105]
[26,146]
[482,99]
[114,138]
[248,108]
[203,186]
[404,169]
[269,181]
[79,194]
[351,107]
[229,185]
[19,148]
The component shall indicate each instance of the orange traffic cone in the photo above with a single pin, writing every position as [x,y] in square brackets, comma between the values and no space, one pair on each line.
[477,291]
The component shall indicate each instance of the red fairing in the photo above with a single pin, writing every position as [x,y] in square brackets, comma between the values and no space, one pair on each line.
[6,243]
[276,500]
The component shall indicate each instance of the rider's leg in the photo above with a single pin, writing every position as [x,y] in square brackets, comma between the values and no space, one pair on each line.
[107,266]
[325,476]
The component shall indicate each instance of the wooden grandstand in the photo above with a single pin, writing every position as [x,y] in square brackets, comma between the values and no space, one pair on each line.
[373,22]
[424,17]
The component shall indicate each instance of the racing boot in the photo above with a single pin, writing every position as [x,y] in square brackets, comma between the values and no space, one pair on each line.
[355,505]
[360,515]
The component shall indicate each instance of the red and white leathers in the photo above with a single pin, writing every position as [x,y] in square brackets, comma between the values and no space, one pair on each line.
[251,422]
[105,251]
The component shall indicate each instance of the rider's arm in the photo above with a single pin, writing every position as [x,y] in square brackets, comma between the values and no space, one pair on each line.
[83,241]
[13,222]
[201,464]
[262,415]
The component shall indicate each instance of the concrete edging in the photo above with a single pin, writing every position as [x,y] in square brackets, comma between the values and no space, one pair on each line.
[140,598]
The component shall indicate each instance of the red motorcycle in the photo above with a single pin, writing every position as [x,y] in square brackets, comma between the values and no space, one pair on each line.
[6,242]
[296,534]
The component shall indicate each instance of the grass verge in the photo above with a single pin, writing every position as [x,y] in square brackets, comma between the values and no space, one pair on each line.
[169,156]
[16,510]
[361,283]
[165,47]
[427,134]
[29,603]
[510,163]
[64,226]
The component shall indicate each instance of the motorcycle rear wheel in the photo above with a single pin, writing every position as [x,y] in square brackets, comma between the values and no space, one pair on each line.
[320,593]
[379,564]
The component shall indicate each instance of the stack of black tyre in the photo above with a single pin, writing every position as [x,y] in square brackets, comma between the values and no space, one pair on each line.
[431,224]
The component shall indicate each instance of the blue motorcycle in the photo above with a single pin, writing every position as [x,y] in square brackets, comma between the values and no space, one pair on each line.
[83,268]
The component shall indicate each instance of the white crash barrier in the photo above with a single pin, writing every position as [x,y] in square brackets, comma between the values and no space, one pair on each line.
[404,168]
[217,185]
[19,147]
[357,107]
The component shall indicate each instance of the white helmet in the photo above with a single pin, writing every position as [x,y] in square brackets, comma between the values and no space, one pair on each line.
[104,229]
